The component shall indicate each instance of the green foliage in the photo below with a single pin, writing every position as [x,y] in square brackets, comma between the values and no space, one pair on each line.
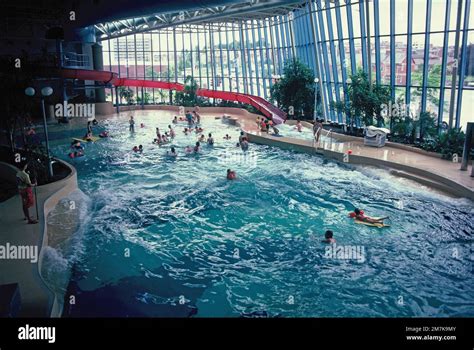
[406,126]
[364,101]
[126,94]
[448,143]
[426,124]
[295,89]
[434,79]
[147,98]
[188,97]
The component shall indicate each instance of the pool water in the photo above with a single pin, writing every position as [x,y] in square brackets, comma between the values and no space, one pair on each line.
[291,131]
[174,238]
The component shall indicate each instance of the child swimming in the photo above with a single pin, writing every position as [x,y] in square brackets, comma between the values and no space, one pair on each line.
[328,237]
[197,148]
[210,140]
[299,126]
[227,137]
[231,175]
[359,215]
[244,144]
[172,153]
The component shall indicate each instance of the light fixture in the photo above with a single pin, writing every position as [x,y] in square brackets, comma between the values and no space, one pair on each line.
[47,91]
[29,91]
[316,80]
[348,81]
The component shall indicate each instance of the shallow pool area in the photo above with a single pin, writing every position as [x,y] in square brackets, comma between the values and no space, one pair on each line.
[173,238]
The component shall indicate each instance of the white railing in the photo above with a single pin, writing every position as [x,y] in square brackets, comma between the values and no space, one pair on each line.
[327,135]
[72,59]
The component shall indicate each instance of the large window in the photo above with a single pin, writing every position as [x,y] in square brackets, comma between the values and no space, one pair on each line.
[411,43]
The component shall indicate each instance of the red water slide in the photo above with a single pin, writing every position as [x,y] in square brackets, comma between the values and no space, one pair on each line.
[268,109]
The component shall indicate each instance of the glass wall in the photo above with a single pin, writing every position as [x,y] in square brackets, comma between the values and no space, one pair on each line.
[242,57]
[411,48]
[408,44]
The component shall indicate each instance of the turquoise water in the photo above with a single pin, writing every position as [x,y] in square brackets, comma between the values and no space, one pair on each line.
[175,238]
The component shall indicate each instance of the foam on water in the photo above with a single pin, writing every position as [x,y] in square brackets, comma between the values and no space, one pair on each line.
[254,244]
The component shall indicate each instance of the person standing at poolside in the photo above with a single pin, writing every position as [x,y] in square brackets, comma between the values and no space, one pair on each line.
[317,129]
[26,192]
[131,122]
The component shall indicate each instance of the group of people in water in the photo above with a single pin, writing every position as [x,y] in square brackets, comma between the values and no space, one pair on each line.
[193,120]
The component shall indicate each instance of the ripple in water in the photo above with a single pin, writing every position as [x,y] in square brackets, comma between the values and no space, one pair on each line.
[174,238]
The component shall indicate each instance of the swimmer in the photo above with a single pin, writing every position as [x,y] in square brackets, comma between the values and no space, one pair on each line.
[142,125]
[359,215]
[188,149]
[172,153]
[197,117]
[175,120]
[88,136]
[210,140]
[202,138]
[189,118]
[104,134]
[231,175]
[172,133]
[299,126]
[135,149]
[158,133]
[131,123]
[77,145]
[241,137]
[197,148]
[140,148]
[76,154]
[244,144]
[227,137]
[164,139]
[328,237]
